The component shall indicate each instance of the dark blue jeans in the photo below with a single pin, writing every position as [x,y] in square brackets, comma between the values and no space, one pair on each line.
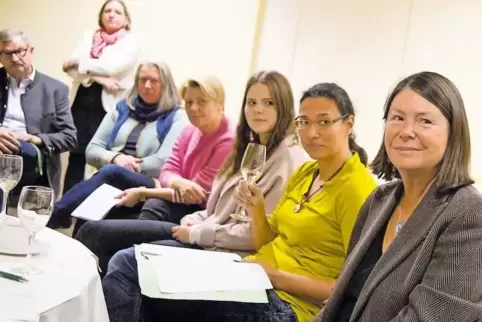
[111,174]
[126,303]
[31,166]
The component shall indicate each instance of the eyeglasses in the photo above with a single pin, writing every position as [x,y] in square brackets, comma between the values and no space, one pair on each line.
[21,52]
[302,124]
[153,81]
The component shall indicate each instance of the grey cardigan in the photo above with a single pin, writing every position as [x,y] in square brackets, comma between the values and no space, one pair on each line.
[432,271]
[153,152]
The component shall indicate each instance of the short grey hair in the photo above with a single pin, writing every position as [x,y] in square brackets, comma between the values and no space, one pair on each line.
[9,35]
[169,96]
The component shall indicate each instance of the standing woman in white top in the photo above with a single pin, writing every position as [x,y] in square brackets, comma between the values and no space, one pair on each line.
[102,68]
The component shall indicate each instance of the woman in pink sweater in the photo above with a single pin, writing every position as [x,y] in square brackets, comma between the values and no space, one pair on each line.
[187,176]
[197,155]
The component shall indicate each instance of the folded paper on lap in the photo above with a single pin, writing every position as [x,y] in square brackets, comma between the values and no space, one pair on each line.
[98,204]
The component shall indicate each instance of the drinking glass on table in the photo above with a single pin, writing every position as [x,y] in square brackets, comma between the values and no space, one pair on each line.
[11,169]
[34,210]
[254,159]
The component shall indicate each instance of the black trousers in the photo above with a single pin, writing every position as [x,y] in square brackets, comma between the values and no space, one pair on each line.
[106,237]
[87,113]
[162,210]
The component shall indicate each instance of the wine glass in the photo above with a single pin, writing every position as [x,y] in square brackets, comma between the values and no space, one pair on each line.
[34,210]
[252,166]
[11,169]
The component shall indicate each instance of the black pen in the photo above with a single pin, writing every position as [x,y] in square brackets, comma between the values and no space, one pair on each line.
[13,277]
[243,261]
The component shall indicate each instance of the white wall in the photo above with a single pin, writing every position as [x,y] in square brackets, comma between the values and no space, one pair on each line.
[192,36]
[365,46]
[368,46]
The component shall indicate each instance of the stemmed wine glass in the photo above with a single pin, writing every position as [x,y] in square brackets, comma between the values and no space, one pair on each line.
[34,210]
[254,159]
[11,169]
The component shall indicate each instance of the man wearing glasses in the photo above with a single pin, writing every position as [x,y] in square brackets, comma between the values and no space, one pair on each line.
[35,118]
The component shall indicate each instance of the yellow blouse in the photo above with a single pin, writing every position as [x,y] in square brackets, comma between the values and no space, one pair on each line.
[313,242]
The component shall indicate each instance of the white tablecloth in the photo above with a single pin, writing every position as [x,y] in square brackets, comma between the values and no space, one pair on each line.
[69,281]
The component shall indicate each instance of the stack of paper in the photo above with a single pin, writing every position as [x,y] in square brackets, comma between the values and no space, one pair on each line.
[178,273]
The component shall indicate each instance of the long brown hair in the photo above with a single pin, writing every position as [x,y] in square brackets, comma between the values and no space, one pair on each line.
[282,94]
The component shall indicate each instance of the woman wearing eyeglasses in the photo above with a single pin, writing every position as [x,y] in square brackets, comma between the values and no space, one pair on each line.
[303,243]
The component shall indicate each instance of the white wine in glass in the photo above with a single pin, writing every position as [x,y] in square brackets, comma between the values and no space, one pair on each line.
[11,169]
[34,210]
[254,159]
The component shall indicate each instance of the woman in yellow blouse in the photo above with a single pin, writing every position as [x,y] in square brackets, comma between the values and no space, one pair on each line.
[302,245]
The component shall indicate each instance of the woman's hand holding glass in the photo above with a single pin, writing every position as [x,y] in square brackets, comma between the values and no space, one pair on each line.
[250,196]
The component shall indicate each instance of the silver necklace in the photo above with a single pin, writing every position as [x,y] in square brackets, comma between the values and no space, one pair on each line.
[401,213]
[400,222]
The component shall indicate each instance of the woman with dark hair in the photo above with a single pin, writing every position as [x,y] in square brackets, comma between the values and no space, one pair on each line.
[102,68]
[301,246]
[415,253]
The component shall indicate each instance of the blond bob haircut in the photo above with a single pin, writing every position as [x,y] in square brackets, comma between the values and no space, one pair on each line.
[210,86]
[169,96]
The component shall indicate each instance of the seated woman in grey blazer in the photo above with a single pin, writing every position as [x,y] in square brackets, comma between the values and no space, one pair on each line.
[124,146]
[271,100]
[415,252]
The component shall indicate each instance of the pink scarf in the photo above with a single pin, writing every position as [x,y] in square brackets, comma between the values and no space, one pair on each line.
[103,39]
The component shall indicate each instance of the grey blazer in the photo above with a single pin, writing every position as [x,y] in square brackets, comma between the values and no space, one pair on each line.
[432,271]
[47,115]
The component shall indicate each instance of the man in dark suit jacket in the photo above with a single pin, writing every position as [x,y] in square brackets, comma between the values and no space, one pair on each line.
[35,118]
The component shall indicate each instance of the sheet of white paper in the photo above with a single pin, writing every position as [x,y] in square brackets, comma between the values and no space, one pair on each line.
[196,275]
[187,253]
[236,296]
[149,287]
[98,204]
[17,317]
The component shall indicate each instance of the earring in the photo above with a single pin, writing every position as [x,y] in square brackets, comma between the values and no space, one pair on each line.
[251,136]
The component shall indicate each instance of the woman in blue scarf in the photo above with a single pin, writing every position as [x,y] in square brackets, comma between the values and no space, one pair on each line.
[124,147]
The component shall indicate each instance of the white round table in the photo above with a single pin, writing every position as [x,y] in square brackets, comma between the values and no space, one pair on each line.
[68,288]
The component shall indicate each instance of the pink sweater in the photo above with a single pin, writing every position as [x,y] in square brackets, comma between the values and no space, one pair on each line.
[198,157]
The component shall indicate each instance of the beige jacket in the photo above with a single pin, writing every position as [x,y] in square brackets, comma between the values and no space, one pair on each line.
[216,230]
[118,60]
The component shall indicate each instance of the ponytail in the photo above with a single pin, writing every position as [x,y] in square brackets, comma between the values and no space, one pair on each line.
[358,149]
